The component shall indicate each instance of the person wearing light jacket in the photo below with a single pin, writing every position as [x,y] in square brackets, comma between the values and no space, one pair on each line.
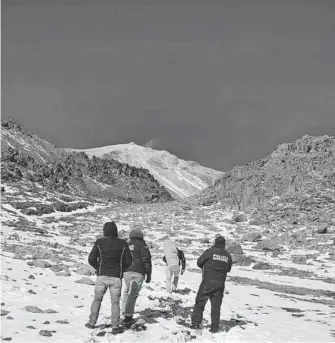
[215,263]
[135,274]
[173,257]
[110,257]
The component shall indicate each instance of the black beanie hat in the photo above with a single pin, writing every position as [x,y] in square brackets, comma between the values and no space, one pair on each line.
[110,229]
[220,240]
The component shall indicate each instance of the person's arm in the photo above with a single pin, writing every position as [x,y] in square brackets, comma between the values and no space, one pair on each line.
[127,259]
[203,258]
[230,263]
[146,258]
[182,259]
[93,256]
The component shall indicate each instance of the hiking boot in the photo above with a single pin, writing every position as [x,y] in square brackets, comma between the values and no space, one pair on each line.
[128,321]
[195,326]
[89,326]
[117,330]
[213,329]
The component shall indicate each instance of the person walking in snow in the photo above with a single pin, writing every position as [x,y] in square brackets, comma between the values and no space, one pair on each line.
[110,257]
[215,263]
[135,274]
[173,257]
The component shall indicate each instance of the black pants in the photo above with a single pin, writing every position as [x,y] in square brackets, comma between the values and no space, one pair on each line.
[214,292]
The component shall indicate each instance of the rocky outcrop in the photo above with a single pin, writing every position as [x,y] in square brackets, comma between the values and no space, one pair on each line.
[26,157]
[296,183]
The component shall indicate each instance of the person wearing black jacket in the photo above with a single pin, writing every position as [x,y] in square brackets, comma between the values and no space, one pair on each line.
[135,274]
[110,257]
[215,262]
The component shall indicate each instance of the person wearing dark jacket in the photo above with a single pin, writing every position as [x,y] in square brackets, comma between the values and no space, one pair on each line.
[110,257]
[215,262]
[135,274]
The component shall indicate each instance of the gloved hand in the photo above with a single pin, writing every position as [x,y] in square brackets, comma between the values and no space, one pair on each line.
[148,279]
[182,271]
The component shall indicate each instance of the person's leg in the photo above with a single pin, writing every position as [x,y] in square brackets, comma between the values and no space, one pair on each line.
[204,293]
[115,293]
[99,291]
[168,279]
[175,270]
[216,301]
[135,287]
[127,280]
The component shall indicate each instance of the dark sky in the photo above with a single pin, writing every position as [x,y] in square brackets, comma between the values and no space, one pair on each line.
[219,82]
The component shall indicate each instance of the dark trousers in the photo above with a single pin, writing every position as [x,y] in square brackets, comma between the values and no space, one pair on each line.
[214,293]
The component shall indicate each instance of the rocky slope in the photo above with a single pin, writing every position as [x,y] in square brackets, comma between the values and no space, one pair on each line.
[181,178]
[297,181]
[33,162]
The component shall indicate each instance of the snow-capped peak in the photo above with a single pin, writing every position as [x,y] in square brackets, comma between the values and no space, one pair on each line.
[182,178]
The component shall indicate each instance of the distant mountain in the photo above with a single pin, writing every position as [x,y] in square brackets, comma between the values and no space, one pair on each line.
[30,160]
[181,178]
[297,179]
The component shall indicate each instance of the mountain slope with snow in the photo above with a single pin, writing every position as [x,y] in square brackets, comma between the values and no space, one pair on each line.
[181,178]
[32,161]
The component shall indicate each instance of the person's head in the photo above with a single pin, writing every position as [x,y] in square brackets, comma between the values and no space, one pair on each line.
[110,229]
[165,238]
[220,241]
[136,233]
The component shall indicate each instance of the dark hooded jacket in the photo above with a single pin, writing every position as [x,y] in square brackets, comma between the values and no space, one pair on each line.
[110,255]
[140,253]
[215,262]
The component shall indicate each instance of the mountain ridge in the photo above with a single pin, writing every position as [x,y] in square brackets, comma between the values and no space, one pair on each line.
[297,176]
[182,178]
[30,159]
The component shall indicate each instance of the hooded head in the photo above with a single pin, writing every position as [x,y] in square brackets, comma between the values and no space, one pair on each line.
[136,233]
[110,229]
[220,241]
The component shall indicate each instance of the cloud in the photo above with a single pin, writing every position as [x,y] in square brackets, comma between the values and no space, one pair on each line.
[152,143]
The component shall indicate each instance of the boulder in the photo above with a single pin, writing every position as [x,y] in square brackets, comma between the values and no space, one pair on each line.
[257,222]
[300,259]
[240,218]
[45,333]
[267,245]
[262,266]
[322,228]
[64,273]
[234,248]
[39,264]
[33,309]
[242,260]
[42,253]
[56,268]
[4,312]
[84,269]
[50,311]
[252,237]
[86,281]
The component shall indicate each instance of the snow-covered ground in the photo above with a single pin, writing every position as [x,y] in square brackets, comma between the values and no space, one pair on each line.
[259,305]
